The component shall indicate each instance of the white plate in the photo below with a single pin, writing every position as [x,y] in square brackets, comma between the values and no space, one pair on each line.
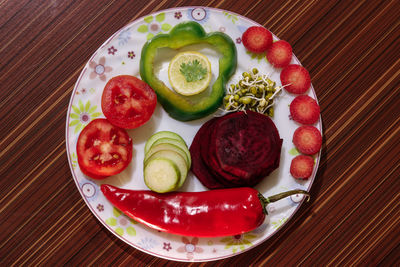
[120,54]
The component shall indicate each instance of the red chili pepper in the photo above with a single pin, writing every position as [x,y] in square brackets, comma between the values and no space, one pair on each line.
[211,213]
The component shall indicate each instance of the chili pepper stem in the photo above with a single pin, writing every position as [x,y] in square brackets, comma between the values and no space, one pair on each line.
[266,200]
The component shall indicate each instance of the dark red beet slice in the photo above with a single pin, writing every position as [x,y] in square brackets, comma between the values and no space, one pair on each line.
[208,156]
[210,160]
[238,149]
[247,145]
[199,168]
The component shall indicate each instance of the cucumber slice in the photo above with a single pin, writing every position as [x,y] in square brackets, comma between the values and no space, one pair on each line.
[159,135]
[176,158]
[167,146]
[161,175]
[176,143]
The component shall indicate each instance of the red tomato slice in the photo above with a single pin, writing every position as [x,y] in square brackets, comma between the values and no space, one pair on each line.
[128,102]
[103,149]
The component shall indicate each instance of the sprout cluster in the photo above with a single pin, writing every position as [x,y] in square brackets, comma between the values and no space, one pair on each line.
[254,91]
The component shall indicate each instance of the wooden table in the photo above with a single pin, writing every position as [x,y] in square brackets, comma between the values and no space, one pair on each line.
[351,49]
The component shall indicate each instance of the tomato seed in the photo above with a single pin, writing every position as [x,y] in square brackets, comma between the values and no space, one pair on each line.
[120,99]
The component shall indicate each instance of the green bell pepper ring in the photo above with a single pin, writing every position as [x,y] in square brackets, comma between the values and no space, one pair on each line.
[186,108]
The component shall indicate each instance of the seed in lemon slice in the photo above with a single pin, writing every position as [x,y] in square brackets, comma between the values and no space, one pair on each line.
[189,73]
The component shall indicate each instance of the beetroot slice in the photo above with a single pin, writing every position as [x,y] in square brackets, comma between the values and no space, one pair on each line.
[199,169]
[209,159]
[213,163]
[247,145]
[238,149]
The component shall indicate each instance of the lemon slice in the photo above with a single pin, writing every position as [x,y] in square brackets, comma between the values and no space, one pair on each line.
[189,73]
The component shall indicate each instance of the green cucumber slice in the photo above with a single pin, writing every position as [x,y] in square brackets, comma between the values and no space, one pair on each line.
[161,175]
[167,146]
[183,146]
[176,158]
[162,134]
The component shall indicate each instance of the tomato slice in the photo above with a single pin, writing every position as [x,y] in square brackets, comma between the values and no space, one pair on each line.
[128,102]
[103,149]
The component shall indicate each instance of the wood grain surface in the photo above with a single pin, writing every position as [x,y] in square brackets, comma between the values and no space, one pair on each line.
[352,51]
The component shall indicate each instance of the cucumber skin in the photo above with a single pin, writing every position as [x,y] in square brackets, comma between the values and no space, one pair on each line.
[177,174]
[159,135]
[175,142]
[169,147]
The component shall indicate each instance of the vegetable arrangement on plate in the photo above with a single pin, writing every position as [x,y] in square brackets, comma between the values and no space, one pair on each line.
[229,155]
